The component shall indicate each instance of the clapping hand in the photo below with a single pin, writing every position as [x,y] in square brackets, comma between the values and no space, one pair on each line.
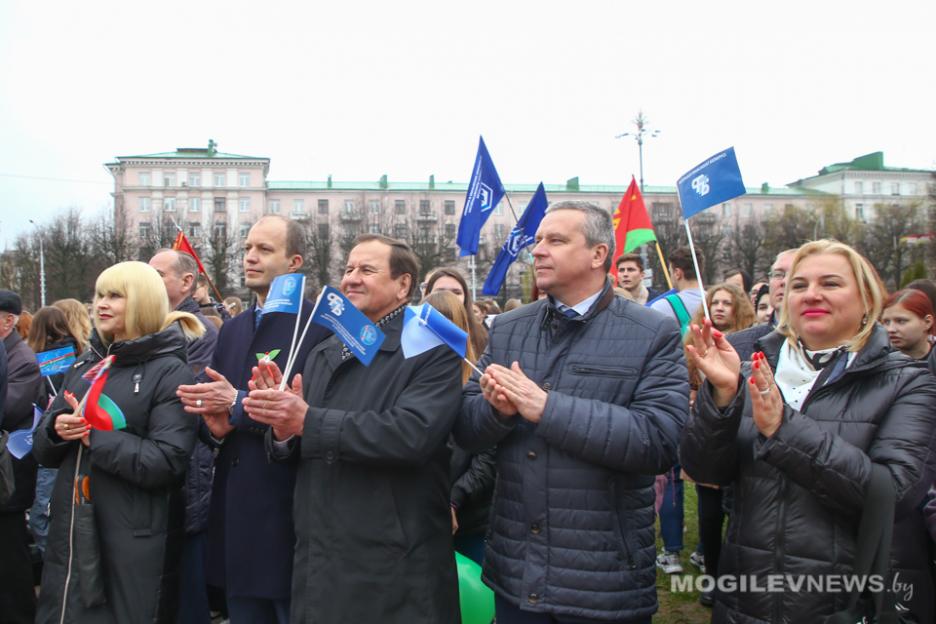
[711,353]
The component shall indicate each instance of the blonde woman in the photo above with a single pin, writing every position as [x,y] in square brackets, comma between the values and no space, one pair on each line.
[797,430]
[117,506]
[78,320]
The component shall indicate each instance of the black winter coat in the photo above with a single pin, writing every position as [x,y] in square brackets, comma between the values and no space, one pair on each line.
[372,520]
[572,531]
[473,476]
[135,485]
[22,386]
[798,495]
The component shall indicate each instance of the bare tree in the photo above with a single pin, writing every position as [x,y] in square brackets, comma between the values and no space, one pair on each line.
[744,249]
[221,257]
[320,252]
[884,243]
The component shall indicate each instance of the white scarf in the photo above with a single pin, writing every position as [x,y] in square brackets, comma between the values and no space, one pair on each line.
[795,375]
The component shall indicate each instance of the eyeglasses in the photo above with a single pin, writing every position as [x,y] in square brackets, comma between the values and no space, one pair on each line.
[777,274]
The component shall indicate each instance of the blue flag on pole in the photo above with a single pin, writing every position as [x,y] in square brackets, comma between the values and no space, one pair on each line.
[713,181]
[336,312]
[520,237]
[55,361]
[21,442]
[424,328]
[484,192]
[285,294]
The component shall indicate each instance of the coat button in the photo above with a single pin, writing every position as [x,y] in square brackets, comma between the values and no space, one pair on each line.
[533,598]
[531,454]
[547,386]
[535,529]
[330,456]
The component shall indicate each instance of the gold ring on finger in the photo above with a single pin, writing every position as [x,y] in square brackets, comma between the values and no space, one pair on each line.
[66,426]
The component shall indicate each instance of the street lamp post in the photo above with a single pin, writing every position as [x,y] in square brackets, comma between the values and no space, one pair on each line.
[640,122]
[42,280]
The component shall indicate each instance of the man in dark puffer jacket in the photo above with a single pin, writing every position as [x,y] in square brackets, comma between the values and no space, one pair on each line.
[589,410]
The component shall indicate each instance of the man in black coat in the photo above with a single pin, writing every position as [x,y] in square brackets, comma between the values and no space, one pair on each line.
[743,341]
[585,395]
[373,523]
[178,270]
[17,600]
[250,525]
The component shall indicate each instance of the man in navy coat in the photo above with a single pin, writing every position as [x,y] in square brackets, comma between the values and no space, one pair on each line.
[250,528]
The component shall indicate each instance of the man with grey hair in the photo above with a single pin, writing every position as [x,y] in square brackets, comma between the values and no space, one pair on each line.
[745,341]
[584,395]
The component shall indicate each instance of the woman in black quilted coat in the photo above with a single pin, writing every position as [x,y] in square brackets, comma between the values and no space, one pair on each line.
[796,432]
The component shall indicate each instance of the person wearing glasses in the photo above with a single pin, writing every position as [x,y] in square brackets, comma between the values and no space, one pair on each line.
[743,341]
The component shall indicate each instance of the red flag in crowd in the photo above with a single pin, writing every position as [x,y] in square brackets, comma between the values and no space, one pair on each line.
[182,244]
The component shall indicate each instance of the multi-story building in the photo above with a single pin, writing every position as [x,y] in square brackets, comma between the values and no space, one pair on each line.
[208,192]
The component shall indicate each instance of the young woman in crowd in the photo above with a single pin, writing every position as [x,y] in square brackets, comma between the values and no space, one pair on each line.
[472,473]
[731,311]
[49,332]
[453,281]
[762,309]
[796,431]
[117,503]
[909,319]
[78,320]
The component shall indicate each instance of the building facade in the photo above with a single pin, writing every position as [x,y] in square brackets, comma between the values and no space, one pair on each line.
[212,194]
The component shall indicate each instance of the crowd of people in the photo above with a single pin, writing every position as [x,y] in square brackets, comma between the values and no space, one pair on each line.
[340,493]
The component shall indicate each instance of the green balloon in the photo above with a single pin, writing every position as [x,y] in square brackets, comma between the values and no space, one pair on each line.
[476,598]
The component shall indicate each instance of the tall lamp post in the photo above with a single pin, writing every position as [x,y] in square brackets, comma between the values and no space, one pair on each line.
[41,266]
[640,122]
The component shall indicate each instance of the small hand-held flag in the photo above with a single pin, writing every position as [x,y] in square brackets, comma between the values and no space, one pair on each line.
[336,312]
[98,409]
[425,328]
[55,361]
[21,442]
[484,192]
[285,294]
[520,237]
[182,243]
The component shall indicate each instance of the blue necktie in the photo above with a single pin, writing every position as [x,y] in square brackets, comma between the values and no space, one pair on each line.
[570,313]
[258,314]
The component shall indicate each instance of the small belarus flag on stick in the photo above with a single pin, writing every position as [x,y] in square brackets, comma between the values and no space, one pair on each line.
[97,408]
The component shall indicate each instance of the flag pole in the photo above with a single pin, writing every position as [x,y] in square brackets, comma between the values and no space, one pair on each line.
[695,263]
[669,282]
[205,273]
[291,360]
[512,211]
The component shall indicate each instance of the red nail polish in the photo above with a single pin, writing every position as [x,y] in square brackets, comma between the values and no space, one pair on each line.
[756,364]
[751,381]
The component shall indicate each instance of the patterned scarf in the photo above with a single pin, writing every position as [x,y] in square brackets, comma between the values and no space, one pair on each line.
[346,352]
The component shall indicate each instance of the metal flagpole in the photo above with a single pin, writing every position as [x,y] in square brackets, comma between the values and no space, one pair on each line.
[695,263]
[474,286]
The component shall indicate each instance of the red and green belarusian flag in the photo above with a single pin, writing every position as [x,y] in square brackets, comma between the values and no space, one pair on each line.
[632,226]
[99,409]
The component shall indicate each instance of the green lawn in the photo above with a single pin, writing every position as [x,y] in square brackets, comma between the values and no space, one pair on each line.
[682,608]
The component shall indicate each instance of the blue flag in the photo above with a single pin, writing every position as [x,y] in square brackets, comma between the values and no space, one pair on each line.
[336,312]
[424,328]
[521,236]
[21,442]
[484,192]
[715,180]
[55,361]
[285,294]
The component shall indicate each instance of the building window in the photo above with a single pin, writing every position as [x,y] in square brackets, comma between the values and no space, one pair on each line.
[194,179]
[274,206]
[726,210]
[399,230]
[146,204]
[145,179]
[374,206]
[220,179]
[449,207]
[219,230]
[424,207]
[912,189]
[323,231]
[194,229]
[243,204]
[219,205]
[244,229]
[859,187]
[349,206]
[399,207]
[169,178]
[876,188]
[895,188]
[243,179]
[169,204]
[323,206]
[450,230]
[374,228]
[145,229]
[859,212]
[194,204]
[298,209]
[662,210]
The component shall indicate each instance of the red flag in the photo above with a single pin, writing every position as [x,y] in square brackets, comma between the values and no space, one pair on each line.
[632,225]
[182,244]
[99,409]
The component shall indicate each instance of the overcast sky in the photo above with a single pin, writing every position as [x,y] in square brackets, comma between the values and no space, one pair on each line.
[357,89]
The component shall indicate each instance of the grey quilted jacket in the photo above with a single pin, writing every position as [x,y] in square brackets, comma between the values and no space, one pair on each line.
[572,530]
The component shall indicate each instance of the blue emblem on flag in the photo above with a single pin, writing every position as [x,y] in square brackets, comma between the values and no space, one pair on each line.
[285,294]
[522,235]
[711,182]
[484,193]
[349,324]
[55,361]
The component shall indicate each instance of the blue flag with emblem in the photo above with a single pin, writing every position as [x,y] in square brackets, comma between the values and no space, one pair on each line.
[336,312]
[21,442]
[55,361]
[285,294]
[713,181]
[484,193]
[425,328]
[520,237]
